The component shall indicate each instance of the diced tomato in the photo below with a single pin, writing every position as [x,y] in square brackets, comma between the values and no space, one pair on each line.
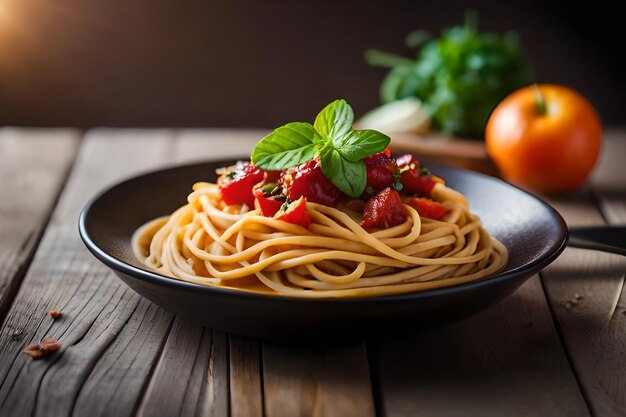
[414,183]
[307,180]
[271,176]
[237,184]
[380,171]
[413,179]
[384,210]
[295,214]
[268,206]
[428,208]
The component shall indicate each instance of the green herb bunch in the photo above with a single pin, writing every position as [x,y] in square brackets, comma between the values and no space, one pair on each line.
[460,77]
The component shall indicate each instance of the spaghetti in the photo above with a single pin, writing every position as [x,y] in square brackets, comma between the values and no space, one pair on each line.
[209,242]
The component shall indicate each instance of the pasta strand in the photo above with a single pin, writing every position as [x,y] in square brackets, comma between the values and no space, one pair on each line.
[206,243]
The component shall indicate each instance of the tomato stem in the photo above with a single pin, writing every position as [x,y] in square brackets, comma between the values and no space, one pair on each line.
[540,101]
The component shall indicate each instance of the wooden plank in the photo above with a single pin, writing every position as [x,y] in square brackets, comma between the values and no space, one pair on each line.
[586,288]
[122,368]
[191,377]
[506,360]
[303,381]
[439,148]
[214,144]
[246,392]
[33,166]
[95,305]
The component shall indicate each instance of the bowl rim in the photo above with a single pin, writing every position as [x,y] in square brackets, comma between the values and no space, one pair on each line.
[554,251]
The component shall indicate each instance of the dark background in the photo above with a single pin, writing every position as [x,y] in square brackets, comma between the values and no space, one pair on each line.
[263,63]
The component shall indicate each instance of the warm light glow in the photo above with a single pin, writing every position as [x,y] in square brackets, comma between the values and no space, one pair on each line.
[17,37]
[34,34]
[3,10]
[6,24]
[7,16]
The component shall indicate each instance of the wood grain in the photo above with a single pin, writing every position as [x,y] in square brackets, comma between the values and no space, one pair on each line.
[33,167]
[246,391]
[214,144]
[116,381]
[122,355]
[506,360]
[586,288]
[317,381]
[95,305]
[191,377]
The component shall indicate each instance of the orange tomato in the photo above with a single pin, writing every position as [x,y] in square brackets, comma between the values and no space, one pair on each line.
[544,138]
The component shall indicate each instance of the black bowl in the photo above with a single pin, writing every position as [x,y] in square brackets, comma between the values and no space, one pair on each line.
[534,233]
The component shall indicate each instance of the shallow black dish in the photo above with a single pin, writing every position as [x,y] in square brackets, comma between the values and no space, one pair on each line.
[534,233]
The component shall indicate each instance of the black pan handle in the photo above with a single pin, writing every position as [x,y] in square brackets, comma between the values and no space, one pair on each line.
[605,238]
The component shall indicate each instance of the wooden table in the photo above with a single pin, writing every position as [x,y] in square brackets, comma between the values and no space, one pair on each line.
[557,347]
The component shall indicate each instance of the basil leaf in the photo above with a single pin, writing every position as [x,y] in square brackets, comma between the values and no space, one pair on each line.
[358,144]
[335,120]
[289,145]
[350,177]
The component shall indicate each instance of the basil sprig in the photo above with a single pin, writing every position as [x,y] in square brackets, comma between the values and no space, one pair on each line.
[331,137]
